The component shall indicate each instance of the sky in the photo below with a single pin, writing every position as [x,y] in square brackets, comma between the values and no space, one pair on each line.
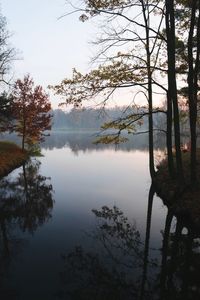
[48,47]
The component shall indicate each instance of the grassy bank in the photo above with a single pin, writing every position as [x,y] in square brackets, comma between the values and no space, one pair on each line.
[11,157]
[184,202]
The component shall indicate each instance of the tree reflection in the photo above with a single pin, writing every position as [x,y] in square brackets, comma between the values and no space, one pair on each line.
[147,240]
[26,199]
[180,269]
[84,141]
[26,202]
[122,266]
[113,270]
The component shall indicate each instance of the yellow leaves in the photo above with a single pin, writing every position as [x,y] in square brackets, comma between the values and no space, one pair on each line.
[118,72]
[110,139]
[119,125]
[106,4]
[129,122]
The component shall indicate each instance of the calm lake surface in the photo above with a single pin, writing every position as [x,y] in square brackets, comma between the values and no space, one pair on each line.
[73,224]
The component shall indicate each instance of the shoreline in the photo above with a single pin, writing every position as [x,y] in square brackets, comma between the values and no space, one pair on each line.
[11,157]
[184,203]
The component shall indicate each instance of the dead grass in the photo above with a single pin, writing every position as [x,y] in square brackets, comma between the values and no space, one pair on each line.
[11,157]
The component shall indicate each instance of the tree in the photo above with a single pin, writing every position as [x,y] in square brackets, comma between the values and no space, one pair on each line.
[149,57]
[7,52]
[193,46]
[7,55]
[5,111]
[129,57]
[183,31]
[30,108]
[172,100]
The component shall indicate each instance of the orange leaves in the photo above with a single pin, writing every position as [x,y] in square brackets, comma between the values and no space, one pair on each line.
[30,109]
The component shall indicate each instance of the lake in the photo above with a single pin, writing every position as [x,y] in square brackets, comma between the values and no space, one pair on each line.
[74,225]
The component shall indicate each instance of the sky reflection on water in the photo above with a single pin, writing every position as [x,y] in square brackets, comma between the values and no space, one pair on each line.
[80,181]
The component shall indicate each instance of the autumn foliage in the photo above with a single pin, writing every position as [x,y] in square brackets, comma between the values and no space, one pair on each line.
[31,111]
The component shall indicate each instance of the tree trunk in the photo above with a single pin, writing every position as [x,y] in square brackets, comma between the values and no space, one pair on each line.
[23,143]
[24,130]
[151,141]
[145,10]
[172,86]
[192,88]
[170,159]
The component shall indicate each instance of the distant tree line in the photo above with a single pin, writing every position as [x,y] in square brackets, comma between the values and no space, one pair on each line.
[86,118]
[91,118]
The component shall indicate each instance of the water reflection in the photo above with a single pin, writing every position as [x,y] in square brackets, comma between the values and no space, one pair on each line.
[113,269]
[84,141]
[27,199]
[118,259]
[120,265]
[180,268]
[26,202]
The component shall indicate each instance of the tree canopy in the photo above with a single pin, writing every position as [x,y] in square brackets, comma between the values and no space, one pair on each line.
[31,111]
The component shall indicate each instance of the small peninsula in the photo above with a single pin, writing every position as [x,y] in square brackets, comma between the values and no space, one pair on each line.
[11,157]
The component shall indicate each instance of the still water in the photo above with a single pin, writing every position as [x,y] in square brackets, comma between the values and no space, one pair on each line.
[74,225]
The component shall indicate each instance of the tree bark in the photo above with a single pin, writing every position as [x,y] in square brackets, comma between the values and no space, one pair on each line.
[145,10]
[192,88]
[172,86]
[24,130]
[170,159]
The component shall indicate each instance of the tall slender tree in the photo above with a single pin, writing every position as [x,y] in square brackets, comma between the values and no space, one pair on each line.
[133,68]
[172,85]
[193,76]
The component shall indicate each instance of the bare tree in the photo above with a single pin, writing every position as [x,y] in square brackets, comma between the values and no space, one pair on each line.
[7,52]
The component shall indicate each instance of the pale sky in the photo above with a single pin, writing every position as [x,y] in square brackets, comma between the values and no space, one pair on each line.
[49,48]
